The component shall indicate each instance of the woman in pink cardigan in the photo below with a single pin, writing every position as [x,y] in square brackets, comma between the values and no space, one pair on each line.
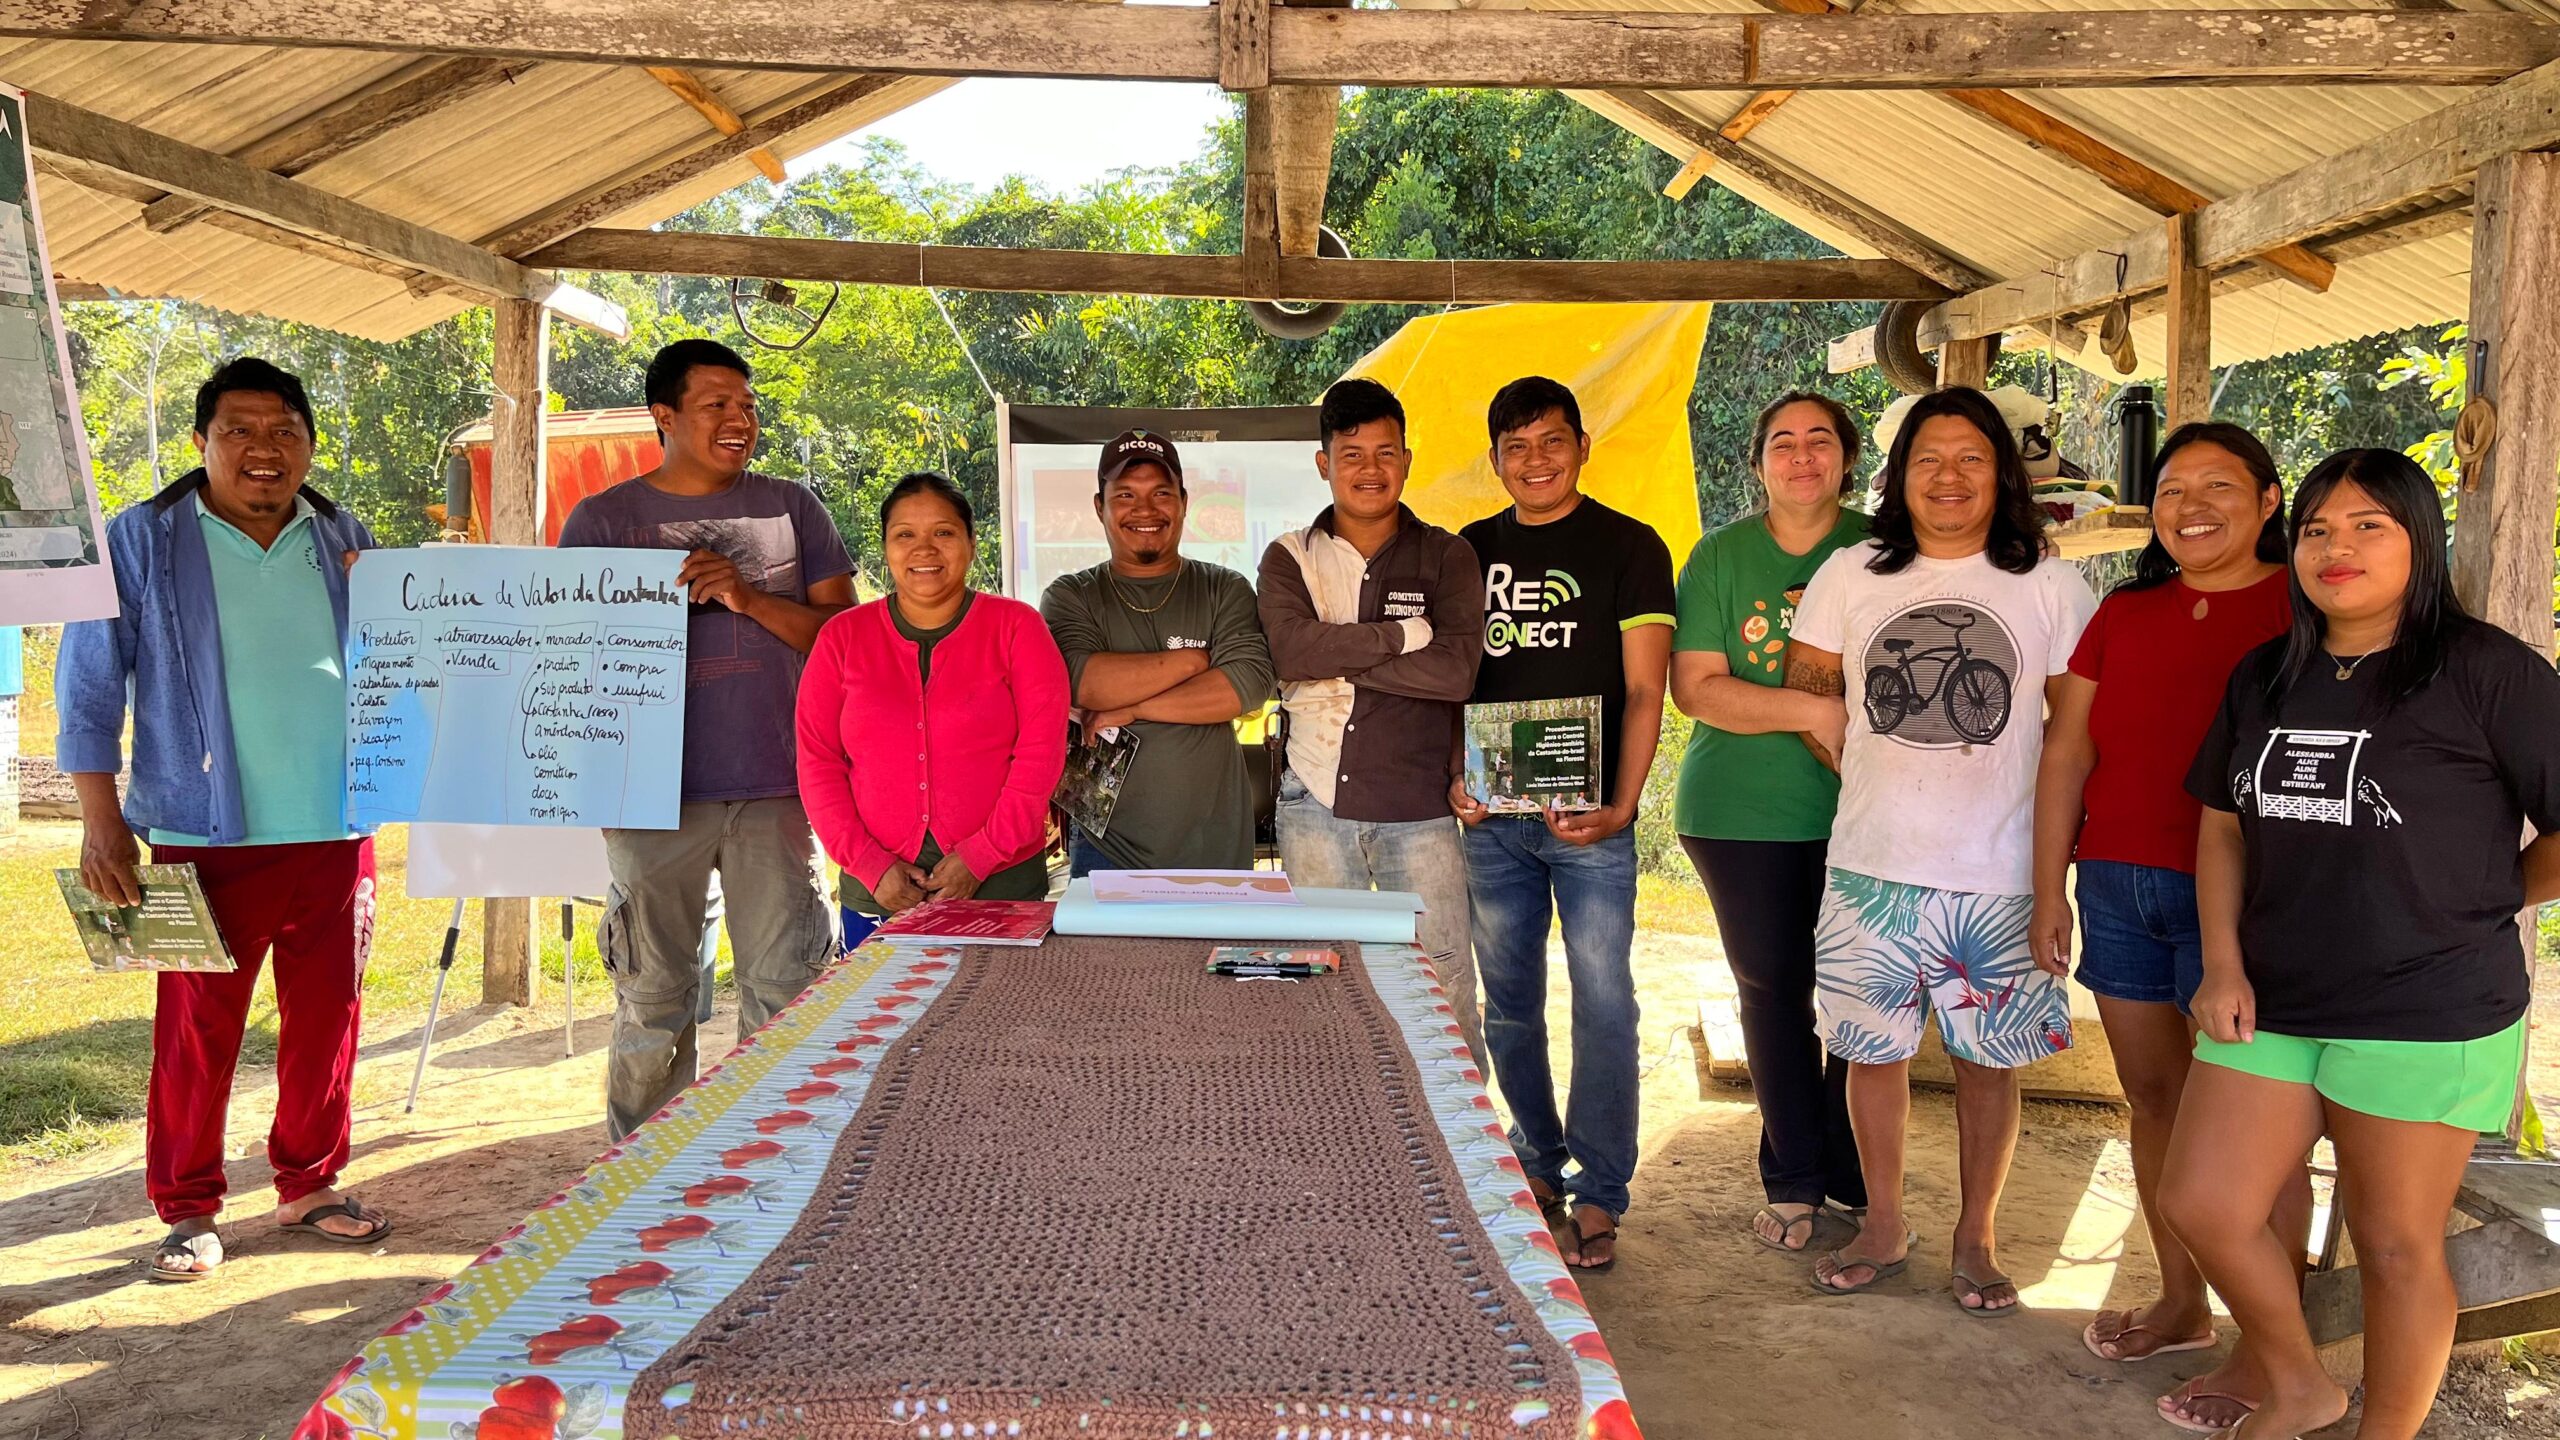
[933,724]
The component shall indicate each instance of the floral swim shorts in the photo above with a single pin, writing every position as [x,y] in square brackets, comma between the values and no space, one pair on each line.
[1887,954]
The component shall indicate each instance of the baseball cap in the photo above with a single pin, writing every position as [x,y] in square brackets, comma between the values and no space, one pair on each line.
[1133,446]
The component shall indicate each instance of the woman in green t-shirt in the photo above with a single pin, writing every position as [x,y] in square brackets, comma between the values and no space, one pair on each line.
[1754,806]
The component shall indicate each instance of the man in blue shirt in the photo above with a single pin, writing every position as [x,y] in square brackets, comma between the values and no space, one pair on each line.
[230,639]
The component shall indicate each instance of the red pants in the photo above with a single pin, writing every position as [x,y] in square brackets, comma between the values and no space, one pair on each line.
[312,905]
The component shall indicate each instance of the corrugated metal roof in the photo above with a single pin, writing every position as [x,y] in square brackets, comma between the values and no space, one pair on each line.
[472,169]
[1966,186]
[1976,192]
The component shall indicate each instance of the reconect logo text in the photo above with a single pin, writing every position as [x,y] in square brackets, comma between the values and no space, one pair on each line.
[1512,604]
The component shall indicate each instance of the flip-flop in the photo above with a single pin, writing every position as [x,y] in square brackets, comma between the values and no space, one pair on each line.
[1880,1272]
[1580,1240]
[352,1209]
[1981,1291]
[2186,1393]
[2089,1339]
[1786,1226]
[175,1244]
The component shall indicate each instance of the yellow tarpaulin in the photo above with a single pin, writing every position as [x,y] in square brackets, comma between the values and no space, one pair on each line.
[1632,367]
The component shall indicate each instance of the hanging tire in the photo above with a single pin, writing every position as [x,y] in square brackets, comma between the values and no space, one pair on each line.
[1898,352]
[1287,320]
[1907,367]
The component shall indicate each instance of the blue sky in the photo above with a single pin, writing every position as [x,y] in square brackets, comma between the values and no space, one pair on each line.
[1062,134]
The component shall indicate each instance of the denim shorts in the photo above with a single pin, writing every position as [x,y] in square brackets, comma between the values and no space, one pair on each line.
[2138,935]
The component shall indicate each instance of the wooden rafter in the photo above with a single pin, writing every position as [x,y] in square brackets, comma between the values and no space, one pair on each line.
[2124,174]
[2434,154]
[94,144]
[1222,277]
[2119,171]
[413,94]
[1677,131]
[668,175]
[1511,49]
[693,90]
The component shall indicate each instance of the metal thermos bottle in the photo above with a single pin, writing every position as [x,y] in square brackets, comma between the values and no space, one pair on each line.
[2137,438]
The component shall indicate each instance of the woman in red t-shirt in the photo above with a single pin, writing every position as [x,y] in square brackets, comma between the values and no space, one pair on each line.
[2111,795]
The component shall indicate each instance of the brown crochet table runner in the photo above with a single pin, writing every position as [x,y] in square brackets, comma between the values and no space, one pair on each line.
[1097,1193]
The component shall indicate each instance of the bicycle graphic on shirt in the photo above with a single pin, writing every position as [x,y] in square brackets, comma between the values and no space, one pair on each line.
[1973,692]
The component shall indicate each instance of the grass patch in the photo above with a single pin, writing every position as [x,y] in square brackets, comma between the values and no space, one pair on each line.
[75,1046]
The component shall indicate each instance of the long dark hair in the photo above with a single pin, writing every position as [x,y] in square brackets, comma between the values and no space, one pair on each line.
[2016,541]
[2429,611]
[2154,566]
[1844,427]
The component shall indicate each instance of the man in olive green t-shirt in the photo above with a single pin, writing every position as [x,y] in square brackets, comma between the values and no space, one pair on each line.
[1754,805]
[1172,648]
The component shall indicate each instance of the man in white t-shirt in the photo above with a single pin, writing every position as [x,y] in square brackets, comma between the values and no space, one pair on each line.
[1940,637]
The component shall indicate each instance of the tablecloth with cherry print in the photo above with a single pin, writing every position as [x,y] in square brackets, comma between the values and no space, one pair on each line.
[538,1338]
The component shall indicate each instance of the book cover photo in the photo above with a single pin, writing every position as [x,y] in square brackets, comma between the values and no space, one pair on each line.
[172,929]
[1527,756]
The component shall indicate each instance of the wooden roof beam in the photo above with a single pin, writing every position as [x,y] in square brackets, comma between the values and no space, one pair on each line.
[1222,277]
[1652,115]
[2436,153]
[693,90]
[90,142]
[2124,174]
[572,216]
[1510,49]
[413,94]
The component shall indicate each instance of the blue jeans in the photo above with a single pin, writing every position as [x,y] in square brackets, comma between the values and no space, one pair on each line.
[2139,939]
[1084,857]
[1422,857]
[1519,876]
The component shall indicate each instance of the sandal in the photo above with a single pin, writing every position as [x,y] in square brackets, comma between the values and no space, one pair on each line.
[203,1247]
[1786,1227]
[1981,1290]
[2188,1394]
[1879,1271]
[2124,1325]
[349,1207]
[1582,1238]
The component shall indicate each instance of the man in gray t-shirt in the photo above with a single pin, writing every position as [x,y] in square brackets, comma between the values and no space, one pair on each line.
[1173,649]
[764,569]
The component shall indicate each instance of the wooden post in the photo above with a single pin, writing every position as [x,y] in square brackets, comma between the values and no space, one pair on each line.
[2190,327]
[2503,524]
[1260,245]
[516,489]
[1965,362]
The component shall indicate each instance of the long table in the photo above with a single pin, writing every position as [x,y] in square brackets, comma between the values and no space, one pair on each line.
[558,1314]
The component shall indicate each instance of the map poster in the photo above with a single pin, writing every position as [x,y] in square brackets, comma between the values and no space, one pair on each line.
[52,541]
[1525,756]
[511,685]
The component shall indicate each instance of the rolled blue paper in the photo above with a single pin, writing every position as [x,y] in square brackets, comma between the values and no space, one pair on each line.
[1372,917]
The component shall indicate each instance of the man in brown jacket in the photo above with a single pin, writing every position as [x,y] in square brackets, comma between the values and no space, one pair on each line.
[1376,622]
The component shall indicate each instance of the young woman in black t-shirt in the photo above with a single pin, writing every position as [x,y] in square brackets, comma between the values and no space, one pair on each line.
[2357,881]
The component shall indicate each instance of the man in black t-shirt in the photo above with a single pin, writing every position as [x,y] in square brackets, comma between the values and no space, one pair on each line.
[1578,603]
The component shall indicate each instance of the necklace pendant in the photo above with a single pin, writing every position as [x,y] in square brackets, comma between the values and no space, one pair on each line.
[2202,606]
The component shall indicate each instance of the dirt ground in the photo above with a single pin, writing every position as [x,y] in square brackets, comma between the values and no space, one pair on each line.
[1717,1338]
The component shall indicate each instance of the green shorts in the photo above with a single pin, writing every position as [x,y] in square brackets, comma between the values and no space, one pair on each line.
[2468,1084]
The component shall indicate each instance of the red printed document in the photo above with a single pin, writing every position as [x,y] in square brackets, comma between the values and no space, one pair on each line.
[972,922]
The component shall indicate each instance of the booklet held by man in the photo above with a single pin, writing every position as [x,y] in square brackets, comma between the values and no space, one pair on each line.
[1526,756]
[972,922]
[1097,768]
[172,929]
